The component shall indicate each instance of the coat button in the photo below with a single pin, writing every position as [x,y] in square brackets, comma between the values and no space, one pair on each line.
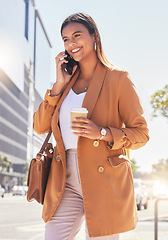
[101,169]
[58,158]
[96,143]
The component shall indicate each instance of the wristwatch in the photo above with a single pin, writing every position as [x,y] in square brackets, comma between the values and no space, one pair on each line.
[103,133]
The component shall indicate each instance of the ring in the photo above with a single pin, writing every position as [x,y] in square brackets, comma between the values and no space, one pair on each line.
[85,131]
[62,58]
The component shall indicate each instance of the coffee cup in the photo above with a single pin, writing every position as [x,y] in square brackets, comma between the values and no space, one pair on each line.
[78,112]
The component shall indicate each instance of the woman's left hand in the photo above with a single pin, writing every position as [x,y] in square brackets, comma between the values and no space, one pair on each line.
[84,127]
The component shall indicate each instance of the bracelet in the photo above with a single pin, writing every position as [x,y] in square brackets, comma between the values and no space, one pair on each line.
[55,94]
[110,145]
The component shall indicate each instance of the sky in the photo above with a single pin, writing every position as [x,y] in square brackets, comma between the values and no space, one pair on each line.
[135,38]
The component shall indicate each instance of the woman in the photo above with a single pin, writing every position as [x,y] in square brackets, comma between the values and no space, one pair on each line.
[90,174]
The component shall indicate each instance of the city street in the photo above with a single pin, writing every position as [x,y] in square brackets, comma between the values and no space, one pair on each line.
[21,220]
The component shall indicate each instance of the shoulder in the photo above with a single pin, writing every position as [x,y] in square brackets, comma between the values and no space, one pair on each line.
[116,72]
[117,75]
[118,80]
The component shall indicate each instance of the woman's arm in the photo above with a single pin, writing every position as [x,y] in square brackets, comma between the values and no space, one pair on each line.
[42,117]
[135,132]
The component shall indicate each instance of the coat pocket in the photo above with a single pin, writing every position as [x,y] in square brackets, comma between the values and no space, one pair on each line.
[116,161]
[121,171]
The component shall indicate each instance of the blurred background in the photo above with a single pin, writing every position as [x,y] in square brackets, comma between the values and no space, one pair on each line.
[134,38]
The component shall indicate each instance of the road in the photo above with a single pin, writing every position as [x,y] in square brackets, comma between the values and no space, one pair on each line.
[21,220]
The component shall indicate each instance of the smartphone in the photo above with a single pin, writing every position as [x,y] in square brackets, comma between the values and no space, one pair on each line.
[68,67]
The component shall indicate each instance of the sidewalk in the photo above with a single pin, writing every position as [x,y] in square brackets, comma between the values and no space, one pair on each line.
[29,226]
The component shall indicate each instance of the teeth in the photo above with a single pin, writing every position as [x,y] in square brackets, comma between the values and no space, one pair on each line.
[75,50]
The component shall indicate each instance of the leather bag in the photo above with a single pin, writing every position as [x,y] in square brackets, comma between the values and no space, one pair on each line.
[38,172]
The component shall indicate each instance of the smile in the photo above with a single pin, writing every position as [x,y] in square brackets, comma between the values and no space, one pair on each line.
[76,50]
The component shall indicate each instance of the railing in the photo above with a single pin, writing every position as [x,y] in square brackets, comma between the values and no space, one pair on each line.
[156,216]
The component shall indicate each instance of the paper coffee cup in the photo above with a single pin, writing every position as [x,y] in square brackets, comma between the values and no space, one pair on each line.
[78,112]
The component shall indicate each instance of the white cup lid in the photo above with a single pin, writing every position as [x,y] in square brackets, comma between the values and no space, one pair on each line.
[79,110]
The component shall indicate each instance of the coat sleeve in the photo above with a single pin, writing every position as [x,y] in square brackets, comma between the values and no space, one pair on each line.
[134,134]
[43,116]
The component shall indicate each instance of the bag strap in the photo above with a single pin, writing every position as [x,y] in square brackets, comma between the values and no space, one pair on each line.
[46,140]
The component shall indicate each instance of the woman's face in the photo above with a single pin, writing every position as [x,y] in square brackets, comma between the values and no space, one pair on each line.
[78,41]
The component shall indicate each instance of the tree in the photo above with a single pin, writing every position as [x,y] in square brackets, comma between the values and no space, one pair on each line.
[26,170]
[4,163]
[159,102]
[134,167]
[160,170]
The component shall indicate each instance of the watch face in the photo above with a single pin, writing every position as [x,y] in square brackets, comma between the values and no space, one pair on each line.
[103,132]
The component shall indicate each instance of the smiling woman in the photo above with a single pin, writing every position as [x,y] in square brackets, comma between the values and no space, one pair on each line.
[90,174]
[91,27]
[79,43]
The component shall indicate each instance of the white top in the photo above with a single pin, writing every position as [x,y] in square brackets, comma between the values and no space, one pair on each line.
[72,100]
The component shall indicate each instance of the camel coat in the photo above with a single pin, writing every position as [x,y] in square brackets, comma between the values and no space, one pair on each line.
[105,171]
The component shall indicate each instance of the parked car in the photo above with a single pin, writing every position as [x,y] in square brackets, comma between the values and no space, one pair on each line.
[2,191]
[25,189]
[18,190]
[141,194]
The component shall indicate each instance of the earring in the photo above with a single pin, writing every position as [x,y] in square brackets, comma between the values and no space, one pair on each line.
[95,46]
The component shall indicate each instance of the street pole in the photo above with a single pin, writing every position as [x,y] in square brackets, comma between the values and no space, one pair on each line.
[30,113]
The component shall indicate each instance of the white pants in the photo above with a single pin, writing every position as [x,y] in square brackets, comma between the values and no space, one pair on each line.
[69,216]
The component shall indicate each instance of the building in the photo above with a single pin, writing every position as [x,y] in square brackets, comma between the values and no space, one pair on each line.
[25,57]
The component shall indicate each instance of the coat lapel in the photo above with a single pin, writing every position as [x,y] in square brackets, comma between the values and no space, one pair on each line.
[55,119]
[88,102]
[69,86]
[94,88]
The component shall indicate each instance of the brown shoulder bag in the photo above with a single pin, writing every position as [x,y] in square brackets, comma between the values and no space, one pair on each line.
[39,171]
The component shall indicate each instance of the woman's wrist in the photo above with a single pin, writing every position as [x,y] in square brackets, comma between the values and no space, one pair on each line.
[56,89]
[107,137]
[52,94]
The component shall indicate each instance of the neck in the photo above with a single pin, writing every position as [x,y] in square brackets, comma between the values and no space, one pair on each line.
[87,67]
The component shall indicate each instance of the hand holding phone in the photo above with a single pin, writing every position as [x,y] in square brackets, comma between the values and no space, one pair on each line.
[68,67]
[63,67]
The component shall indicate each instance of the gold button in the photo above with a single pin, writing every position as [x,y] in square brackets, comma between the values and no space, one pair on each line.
[101,169]
[58,157]
[96,143]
